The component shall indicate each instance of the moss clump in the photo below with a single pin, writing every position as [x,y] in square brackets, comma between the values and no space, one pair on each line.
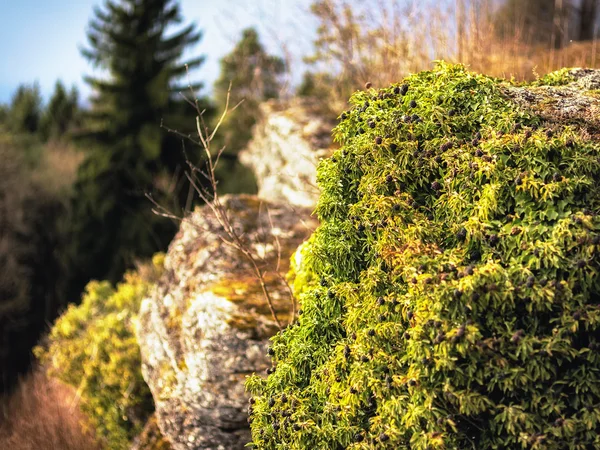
[463,313]
[561,77]
[93,347]
[254,314]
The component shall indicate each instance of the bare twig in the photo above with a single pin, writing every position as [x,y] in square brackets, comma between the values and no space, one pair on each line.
[205,184]
[277,271]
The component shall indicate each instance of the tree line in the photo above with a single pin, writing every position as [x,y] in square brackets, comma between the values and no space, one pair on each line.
[56,239]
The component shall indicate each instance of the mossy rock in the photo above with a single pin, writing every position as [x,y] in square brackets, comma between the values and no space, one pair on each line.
[207,324]
[450,296]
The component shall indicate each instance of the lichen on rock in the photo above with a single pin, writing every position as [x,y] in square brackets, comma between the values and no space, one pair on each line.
[288,141]
[206,325]
[450,293]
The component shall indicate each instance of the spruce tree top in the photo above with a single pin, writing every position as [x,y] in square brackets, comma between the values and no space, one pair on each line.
[450,296]
[248,75]
[134,41]
[128,154]
[252,73]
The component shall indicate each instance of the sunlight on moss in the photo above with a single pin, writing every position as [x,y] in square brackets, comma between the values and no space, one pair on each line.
[558,78]
[253,313]
[449,295]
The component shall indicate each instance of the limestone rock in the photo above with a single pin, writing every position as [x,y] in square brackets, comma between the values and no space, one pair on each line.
[576,102]
[207,324]
[288,142]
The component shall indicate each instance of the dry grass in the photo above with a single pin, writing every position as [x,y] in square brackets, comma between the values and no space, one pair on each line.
[58,171]
[383,41]
[515,56]
[43,414]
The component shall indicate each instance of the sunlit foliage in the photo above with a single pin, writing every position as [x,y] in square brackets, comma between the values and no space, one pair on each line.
[450,295]
[93,348]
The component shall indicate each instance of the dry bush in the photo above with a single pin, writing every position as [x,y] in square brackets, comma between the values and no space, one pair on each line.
[517,55]
[380,42]
[59,169]
[203,179]
[43,414]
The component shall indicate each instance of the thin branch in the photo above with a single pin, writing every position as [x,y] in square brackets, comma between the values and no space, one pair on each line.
[210,196]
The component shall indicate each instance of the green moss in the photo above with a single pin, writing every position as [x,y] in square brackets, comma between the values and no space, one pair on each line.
[93,347]
[241,285]
[300,278]
[253,312]
[558,78]
[450,294]
[594,93]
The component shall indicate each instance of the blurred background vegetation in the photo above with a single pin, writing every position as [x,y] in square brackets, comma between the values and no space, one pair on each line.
[75,172]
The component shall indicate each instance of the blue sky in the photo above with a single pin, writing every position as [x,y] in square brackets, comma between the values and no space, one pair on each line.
[40,39]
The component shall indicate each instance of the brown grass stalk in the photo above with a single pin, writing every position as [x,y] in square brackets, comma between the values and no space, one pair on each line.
[43,414]
[383,41]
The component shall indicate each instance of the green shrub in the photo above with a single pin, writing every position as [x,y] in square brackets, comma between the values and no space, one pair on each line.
[450,294]
[93,348]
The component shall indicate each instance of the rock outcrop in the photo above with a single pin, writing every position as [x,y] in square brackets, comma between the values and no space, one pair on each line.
[572,97]
[207,324]
[289,140]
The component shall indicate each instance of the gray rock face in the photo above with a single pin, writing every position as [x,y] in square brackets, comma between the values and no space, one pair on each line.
[207,324]
[576,102]
[288,142]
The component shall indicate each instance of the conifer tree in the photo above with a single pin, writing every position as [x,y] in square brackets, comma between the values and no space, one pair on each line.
[60,113]
[25,109]
[3,114]
[131,155]
[254,76]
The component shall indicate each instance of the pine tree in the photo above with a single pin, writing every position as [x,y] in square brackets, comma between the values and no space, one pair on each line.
[254,76]
[25,109]
[3,114]
[131,155]
[60,113]
[20,123]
